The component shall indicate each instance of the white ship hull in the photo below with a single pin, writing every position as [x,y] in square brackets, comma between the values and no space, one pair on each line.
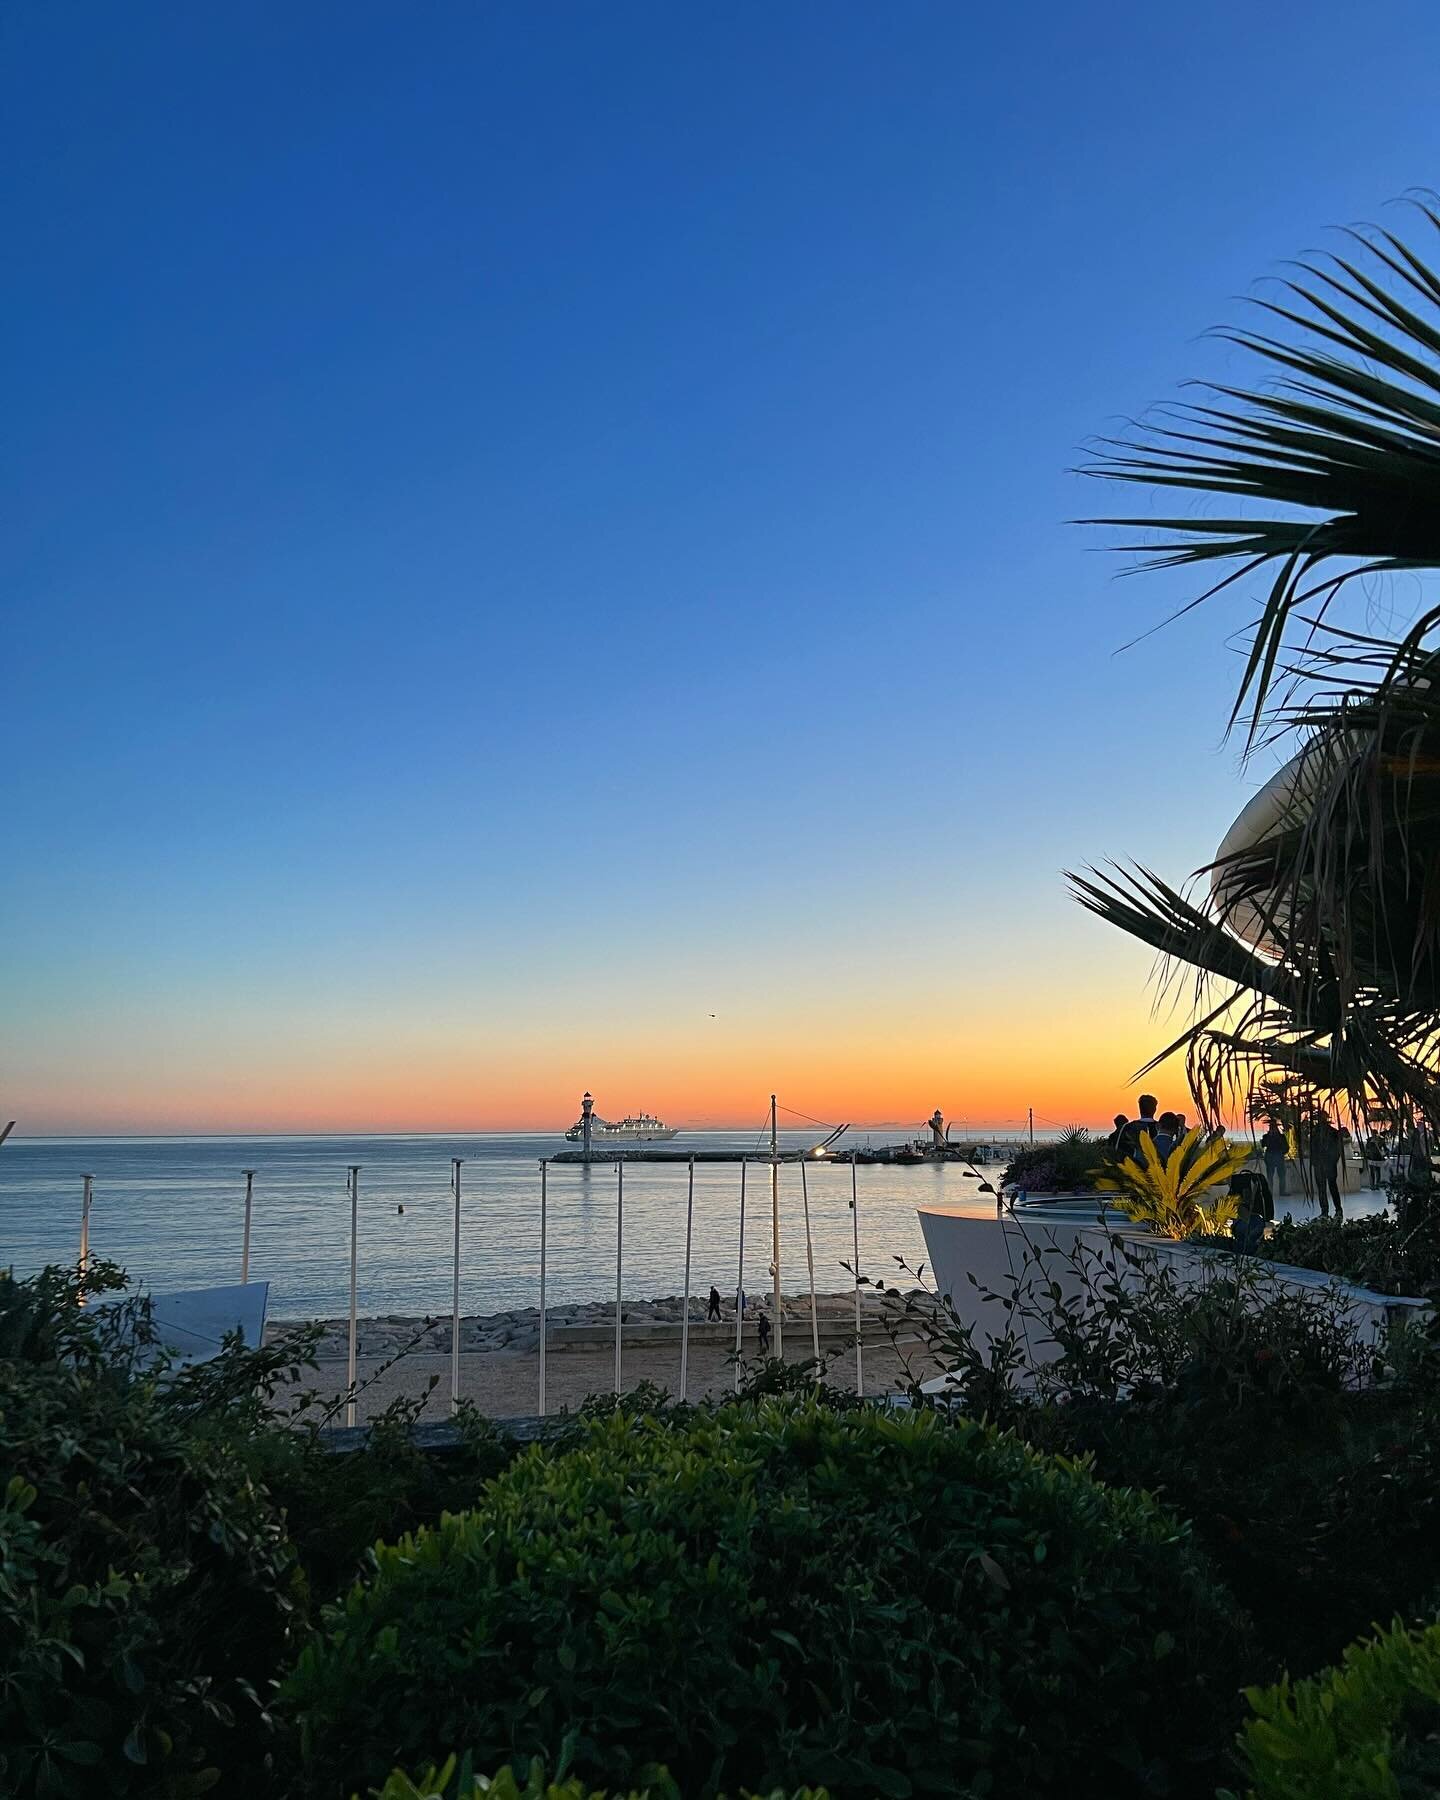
[623,1135]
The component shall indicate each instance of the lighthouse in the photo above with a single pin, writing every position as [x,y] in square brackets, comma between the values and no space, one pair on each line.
[587,1111]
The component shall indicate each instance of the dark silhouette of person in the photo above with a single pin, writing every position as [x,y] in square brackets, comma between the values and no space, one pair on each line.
[1113,1141]
[714,1309]
[762,1325]
[1135,1129]
[1326,1145]
[1168,1134]
[1255,1208]
[1276,1147]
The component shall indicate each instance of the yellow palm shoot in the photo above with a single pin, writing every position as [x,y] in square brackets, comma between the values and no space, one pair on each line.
[1183,1194]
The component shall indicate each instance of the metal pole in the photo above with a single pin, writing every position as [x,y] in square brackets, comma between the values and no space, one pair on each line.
[542,1287]
[810,1259]
[1032,1126]
[775,1225]
[89,1181]
[354,1239]
[249,1175]
[685,1315]
[855,1216]
[740,1281]
[619,1252]
[455,1162]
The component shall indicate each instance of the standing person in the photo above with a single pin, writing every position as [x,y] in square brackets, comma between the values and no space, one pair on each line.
[1276,1147]
[1326,1145]
[714,1308]
[1144,1126]
[1374,1160]
[1167,1134]
[762,1325]
[1113,1141]
[1181,1128]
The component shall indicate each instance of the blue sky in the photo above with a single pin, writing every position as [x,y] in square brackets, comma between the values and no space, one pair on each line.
[521,521]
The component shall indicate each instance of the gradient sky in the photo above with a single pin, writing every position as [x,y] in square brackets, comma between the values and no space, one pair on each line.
[528,526]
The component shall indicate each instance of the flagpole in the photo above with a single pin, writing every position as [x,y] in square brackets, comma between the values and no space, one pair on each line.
[249,1175]
[542,1287]
[740,1281]
[810,1260]
[685,1315]
[855,1216]
[455,1162]
[354,1265]
[619,1253]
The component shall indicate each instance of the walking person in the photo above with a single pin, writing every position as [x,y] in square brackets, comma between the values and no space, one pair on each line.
[1276,1147]
[1326,1146]
[1374,1160]
[762,1326]
[714,1309]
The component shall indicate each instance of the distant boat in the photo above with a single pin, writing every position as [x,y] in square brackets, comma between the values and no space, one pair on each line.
[642,1130]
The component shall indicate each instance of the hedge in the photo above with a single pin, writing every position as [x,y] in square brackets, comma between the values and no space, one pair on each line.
[780,1594]
[1366,1730]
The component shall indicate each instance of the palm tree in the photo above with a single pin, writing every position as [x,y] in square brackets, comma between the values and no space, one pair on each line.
[1317,952]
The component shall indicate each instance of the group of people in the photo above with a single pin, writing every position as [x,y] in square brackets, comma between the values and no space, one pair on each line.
[762,1322]
[1255,1193]
[1165,1132]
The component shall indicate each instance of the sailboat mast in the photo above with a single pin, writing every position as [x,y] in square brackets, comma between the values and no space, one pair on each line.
[775,1220]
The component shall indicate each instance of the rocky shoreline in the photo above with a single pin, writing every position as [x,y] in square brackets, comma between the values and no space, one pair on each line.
[517,1332]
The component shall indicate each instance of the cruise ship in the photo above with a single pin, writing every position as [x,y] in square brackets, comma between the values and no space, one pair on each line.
[641,1130]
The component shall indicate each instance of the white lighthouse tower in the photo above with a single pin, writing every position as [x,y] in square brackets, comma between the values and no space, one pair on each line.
[587,1113]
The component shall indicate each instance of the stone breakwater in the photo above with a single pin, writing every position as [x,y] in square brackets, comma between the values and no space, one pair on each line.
[517,1333]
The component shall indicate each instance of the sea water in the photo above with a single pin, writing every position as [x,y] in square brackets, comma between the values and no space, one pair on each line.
[171,1211]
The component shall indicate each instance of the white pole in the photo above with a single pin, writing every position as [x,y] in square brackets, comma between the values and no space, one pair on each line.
[249,1175]
[810,1260]
[740,1281]
[775,1225]
[542,1287]
[89,1181]
[855,1218]
[685,1315]
[455,1162]
[354,1239]
[619,1253]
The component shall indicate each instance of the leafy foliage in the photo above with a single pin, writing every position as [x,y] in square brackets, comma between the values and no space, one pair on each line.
[456,1780]
[1182,1194]
[1381,1253]
[1319,962]
[774,1593]
[1367,1730]
[1068,1165]
[145,1580]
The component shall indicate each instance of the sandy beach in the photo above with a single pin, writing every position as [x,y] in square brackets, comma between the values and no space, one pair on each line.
[500,1353]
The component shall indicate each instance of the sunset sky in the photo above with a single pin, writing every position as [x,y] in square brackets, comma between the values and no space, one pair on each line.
[536,549]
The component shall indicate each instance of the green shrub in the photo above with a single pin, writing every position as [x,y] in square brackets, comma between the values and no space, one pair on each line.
[146,1587]
[772,1594]
[1241,1406]
[1069,1164]
[457,1781]
[335,1506]
[1367,1730]
[1378,1252]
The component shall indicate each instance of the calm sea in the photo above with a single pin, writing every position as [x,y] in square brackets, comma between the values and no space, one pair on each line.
[171,1211]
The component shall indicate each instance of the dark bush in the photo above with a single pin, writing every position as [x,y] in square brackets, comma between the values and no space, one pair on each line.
[1379,1252]
[1243,1407]
[772,1594]
[1367,1730]
[146,1585]
[456,1780]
